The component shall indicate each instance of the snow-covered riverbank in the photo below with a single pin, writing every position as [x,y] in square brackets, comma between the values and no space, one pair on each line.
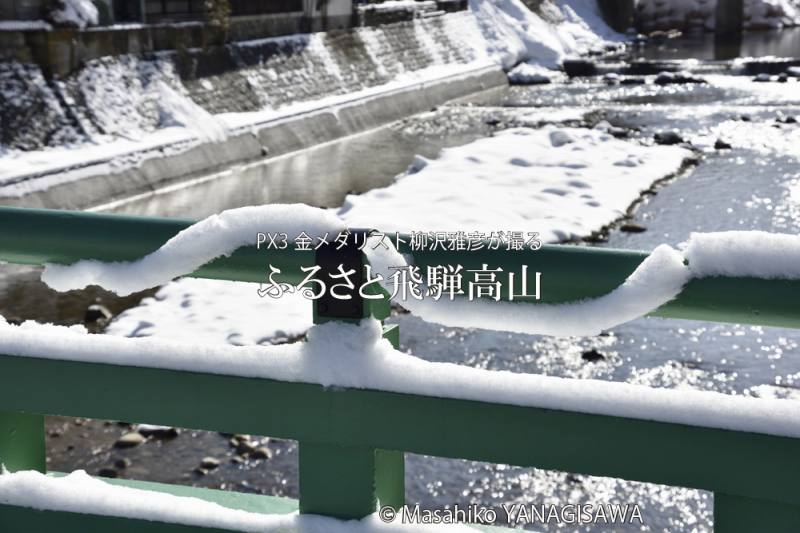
[117,113]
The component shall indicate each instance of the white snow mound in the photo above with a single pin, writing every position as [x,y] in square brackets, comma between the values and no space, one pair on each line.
[78,13]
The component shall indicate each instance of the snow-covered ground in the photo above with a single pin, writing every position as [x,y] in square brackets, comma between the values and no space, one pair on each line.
[514,34]
[562,182]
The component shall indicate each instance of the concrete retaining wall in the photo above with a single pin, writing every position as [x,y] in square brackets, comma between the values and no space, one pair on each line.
[61,51]
[277,137]
[119,96]
[271,74]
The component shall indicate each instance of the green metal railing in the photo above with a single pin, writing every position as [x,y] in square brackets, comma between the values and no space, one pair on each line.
[351,440]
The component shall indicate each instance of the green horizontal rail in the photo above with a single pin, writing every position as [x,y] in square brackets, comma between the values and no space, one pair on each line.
[240,501]
[27,520]
[14,519]
[569,273]
[358,436]
[743,464]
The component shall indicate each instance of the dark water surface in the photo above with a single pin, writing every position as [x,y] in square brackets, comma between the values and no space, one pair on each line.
[705,46]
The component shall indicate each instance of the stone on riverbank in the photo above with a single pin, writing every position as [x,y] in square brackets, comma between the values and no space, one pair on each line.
[209,463]
[630,227]
[669,78]
[158,432]
[130,440]
[592,356]
[722,145]
[667,138]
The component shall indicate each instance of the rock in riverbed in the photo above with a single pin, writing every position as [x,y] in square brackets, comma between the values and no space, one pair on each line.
[158,432]
[209,463]
[630,227]
[722,145]
[592,356]
[245,447]
[669,78]
[667,137]
[129,440]
[107,472]
[579,67]
[96,313]
[632,80]
[261,452]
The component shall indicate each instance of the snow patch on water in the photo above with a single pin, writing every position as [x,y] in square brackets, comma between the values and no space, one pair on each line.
[564,183]
[216,312]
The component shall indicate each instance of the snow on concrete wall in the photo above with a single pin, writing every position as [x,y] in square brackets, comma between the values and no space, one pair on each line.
[122,96]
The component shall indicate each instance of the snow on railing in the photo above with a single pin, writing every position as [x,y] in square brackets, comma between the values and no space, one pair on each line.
[352,358]
[357,357]
[655,282]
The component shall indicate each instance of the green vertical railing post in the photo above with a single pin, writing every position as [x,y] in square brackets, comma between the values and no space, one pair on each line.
[344,481]
[22,441]
[738,514]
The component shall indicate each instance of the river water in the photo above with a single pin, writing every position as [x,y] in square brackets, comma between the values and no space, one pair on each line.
[752,186]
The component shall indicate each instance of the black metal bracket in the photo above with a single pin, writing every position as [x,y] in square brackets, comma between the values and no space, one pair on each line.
[328,258]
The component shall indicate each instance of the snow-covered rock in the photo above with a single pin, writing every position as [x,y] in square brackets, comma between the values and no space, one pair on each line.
[530,74]
[74,13]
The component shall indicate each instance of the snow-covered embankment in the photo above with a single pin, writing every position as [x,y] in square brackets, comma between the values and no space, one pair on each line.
[131,118]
